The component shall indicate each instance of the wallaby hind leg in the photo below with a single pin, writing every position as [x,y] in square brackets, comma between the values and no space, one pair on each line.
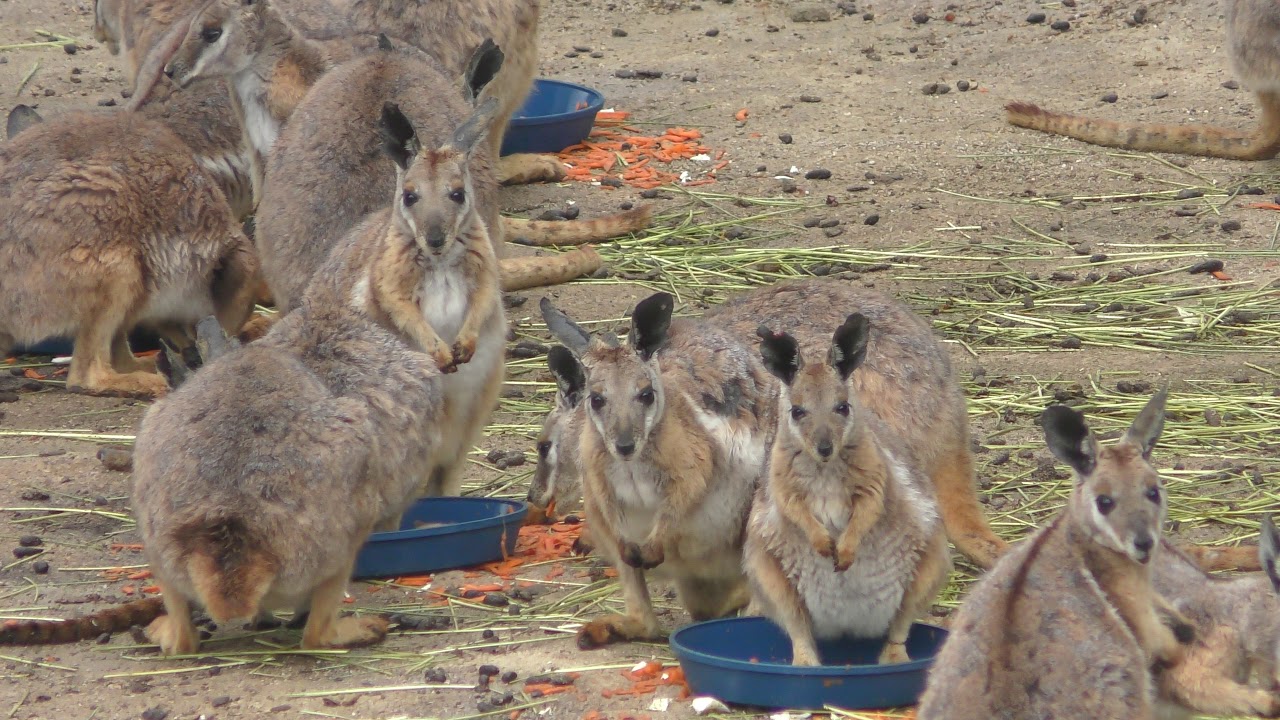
[962,514]
[638,623]
[324,629]
[448,480]
[708,599]
[173,631]
[91,370]
[931,576]
[775,591]
[525,168]
[7,343]
[124,361]
[1210,688]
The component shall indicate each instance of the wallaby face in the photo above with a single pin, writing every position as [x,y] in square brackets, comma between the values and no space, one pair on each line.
[1119,499]
[817,410]
[557,471]
[222,39]
[434,193]
[625,398]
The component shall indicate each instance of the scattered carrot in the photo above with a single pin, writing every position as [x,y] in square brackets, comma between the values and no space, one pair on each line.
[128,589]
[742,115]
[547,688]
[32,374]
[348,600]
[617,154]
[1219,275]
[151,589]
[136,547]
[414,580]
[141,575]
[1264,206]
[595,715]
[479,589]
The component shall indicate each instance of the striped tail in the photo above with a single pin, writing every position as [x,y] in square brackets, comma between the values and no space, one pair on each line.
[542,233]
[53,632]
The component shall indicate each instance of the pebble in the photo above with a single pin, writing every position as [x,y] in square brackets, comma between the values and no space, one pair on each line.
[818,174]
[626,206]
[649,193]
[1231,85]
[1230,225]
[1061,25]
[785,138]
[30,541]
[625,74]
[712,32]
[1133,387]
[40,567]
[809,13]
[1110,97]
[1071,343]
[963,85]
[280,708]
[582,48]
[1207,266]
[1159,94]
[8,397]
[810,98]
[1140,15]
[488,670]
[489,634]
[689,77]
[571,54]
[1036,18]
[872,219]
[833,232]
[1212,417]
[107,102]
[619,32]
[1188,194]
[496,599]
[71,48]
[1098,257]
[154,714]
[25,552]
[829,223]
[848,8]
[435,675]
[920,18]
[868,16]
[49,92]
[812,222]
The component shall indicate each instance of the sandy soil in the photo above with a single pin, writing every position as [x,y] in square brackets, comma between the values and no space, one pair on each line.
[916,160]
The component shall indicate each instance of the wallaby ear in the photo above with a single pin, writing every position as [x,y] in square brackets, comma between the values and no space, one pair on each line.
[482,68]
[399,140]
[566,331]
[1069,438]
[177,365]
[1268,548]
[650,322]
[211,341]
[780,353]
[469,134]
[1146,428]
[384,42]
[570,378]
[849,345]
[21,117]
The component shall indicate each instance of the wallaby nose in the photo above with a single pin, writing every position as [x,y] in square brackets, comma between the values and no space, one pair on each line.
[825,448]
[435,238]
[625,448]
[168,71]
[1143,544]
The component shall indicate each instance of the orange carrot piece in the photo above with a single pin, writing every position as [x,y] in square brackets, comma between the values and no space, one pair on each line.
[1264,206]
[128,589]
[32,374]
[141,575]
[1218,274]
[742,115]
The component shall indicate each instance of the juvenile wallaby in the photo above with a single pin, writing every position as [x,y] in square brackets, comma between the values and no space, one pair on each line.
[1237,621]
[677,422]
[1068,624]
[1253,43]
[100,232]
[448,31]
[844,538]
[556,487]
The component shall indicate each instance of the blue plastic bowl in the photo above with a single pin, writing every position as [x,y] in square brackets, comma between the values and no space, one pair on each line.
[140,340]
[475,533]
[551,120]
[717,660]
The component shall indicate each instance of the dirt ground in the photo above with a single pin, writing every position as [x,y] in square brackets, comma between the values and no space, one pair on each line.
[942,172]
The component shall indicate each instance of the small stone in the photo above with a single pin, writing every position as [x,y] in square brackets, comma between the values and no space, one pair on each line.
[496,600]
[786,184]
[581,48]
[1230,225]
[49,92]
[571,54]
[1071,343]
[712,32]
[962,85]
[1133,387]
[70,48]
[619,32]
[1208,266]
[689,77]
[40,567]
[30,541]
[1061,25]
[871,219]
[868,16]
[785,138]
[1212,417]
[597,54]
[1036,18]
[1159,94]
[26,552]
[1098,257]
[810,98]
[489,670]
[1231,85]
[818,174]
[435,675]
[943,88]
[812,222]
[920,18]
[649,193]
[1110,97]
[489,634]
[648,74]
[280,708]
[930,89]
[154,714]
[833,232]
[829,223]
[809,13]
[1140,15]
[625,74]
[626,206]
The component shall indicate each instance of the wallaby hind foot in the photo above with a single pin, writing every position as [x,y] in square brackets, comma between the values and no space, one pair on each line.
[324,629]
[173,631]
[525,168]
[609,629]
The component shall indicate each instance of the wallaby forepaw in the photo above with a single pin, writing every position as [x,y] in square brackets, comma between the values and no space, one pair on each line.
[823,545]
[583,545]
[894,653]
[175,637]
[444,360]
[644,557]
[463,350]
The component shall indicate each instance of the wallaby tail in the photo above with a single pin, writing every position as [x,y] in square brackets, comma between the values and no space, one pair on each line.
[1260,144]
[1210,558]
[527,272]
[230,571]
[111,620]
[575,232]
[962,515]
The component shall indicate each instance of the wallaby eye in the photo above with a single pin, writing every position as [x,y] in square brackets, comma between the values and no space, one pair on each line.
[1153,494]
[798,412]
[843,409]
[211,35]
[458,196]
[1105,504]
[597,401]
[646,396]
[544,448]
[410,198]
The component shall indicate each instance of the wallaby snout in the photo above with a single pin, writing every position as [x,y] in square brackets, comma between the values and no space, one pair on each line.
[1142,543]
[436,237]
[824,445]
[625,444]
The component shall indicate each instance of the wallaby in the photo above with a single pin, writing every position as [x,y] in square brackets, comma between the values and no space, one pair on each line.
[100,233]
[133,28]
[1068,624]
[556,487]
[677,422]
[1253,43]
[330,129]
[844,537]
[448,31]
[1237,621]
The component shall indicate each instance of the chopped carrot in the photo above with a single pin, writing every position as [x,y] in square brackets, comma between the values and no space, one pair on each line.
[136,547]
[128,589]
[1218,274]
[151,589]
[595,715]
[141,575]
[147,353]
[32,374]
[555,572]
[547,688]
[1264,206]
[742,115]
[414,580]
[349,601]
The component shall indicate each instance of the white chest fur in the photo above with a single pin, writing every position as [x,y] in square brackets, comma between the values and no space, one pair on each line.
[259,126]
[444,298]
[635,485]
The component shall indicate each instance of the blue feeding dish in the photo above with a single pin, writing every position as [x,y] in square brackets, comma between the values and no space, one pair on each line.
[443,533]
[747,661]
[556,115]
[139,340]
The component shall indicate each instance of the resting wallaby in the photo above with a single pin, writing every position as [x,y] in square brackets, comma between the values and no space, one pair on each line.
[1068,624]
[100,233]
[448,31]
[844,537]
[677,422]
[1237,621]
[1253,43]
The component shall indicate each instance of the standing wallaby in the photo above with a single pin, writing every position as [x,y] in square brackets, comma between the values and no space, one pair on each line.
[107,222]
[448,31]
[844,537]
[677,423]
[1068,624]
[1253,42]
[1237,621]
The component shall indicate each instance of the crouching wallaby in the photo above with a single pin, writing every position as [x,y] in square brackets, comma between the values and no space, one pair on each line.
[844,537]
[676,426]
[1068,624]
[1237,621]
[100,232]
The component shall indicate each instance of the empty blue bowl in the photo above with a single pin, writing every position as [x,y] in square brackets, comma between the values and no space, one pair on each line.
[475,531]
[139,340]
[717,658]
[556,114]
